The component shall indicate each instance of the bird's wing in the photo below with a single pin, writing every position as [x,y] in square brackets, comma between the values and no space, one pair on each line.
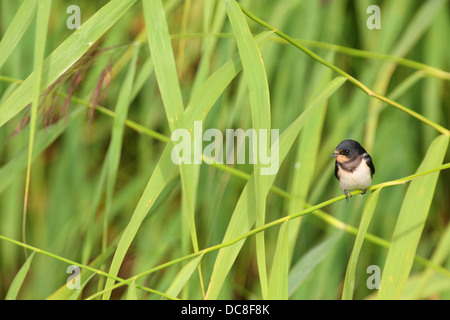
[369,163]
[336,170]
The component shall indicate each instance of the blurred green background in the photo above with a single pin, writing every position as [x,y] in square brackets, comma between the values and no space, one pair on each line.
[67,197]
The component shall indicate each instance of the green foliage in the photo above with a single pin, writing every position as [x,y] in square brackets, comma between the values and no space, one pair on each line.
[103,193]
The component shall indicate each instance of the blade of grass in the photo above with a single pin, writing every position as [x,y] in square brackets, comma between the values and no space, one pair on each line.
[163,59]
[43,14]
[166,74]
[112,158]
[182,44]
[16,29]
[209,44]
[90,221]
[435,51]
[164,172]
[410,223]
[255,75]
[115,146]
[369,208]
[306,264]
[435,289]
[183,276]
[63,57]
[131,292]
[278,281]
[17,282]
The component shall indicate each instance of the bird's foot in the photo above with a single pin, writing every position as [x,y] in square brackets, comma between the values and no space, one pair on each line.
[347,195]
[363,191]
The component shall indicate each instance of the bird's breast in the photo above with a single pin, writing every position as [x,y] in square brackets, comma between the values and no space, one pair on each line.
[359,178]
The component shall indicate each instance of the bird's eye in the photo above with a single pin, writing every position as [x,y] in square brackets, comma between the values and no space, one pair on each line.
[344,152]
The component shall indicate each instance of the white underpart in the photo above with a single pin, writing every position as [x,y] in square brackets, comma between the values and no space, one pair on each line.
[360,178]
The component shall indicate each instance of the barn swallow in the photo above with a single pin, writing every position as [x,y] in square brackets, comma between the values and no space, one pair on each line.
[353,168]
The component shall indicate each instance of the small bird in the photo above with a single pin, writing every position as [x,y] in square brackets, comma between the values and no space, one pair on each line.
[353,168]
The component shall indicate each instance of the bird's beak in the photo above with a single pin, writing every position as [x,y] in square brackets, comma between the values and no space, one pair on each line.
[334,155]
